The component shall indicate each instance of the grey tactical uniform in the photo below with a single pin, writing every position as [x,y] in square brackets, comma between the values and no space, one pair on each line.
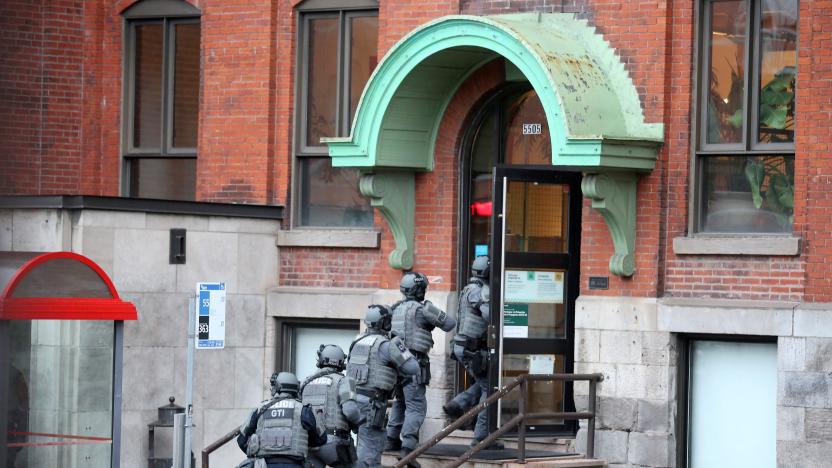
[373,364]
[471,350]
[330,395]
[413,322]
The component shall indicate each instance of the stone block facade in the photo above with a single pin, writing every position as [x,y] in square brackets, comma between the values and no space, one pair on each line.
[132,248]
[638,401]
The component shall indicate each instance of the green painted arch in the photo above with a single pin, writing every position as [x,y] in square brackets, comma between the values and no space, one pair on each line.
[592,108]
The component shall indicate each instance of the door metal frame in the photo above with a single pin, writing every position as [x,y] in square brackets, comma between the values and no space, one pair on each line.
[569,261]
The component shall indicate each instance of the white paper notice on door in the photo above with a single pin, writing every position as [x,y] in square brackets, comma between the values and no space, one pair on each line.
[542,364]
[534,287]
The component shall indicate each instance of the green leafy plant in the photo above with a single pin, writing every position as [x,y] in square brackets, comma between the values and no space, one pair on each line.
[771,180]
[772,177]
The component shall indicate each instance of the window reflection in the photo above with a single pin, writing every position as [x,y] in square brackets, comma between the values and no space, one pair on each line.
[753,194]
[726,79]
[60,393]
[778,56]
[330,195]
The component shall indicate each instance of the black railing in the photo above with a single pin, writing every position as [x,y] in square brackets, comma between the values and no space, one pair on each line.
[520,420]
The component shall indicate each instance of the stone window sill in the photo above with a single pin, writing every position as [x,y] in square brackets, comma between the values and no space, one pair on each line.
[357,238]
[737,245]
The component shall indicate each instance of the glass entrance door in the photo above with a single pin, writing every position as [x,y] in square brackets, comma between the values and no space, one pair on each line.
[534,283]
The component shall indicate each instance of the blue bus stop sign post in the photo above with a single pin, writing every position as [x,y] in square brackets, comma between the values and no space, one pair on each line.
[206,330]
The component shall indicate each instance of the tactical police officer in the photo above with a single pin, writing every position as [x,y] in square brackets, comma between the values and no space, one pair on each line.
[279,432]
[331,396]
[414,319]
[373,366]
[470,346]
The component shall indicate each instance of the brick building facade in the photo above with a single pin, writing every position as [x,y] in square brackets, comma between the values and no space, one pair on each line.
[71,124]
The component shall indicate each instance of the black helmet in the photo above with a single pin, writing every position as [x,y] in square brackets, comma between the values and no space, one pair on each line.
[285,382]
[414,285]
[379,317]
[481,267]
[332,356]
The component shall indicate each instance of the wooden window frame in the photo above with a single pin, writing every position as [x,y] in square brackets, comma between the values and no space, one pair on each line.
[168,14]
[308,11]
[748,147]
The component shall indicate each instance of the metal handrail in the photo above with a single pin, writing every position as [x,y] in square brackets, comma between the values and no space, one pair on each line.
[217,444]
[520,419]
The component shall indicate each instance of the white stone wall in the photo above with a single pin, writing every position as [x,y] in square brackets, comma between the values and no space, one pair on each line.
[619,338]
[133,249]
[633,342]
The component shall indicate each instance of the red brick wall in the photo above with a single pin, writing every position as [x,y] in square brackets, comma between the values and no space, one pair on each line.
[236,118]
[813,143]
[41,91]
[59,133]
[768,278]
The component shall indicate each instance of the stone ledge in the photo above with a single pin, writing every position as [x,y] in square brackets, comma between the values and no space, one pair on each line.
[358,238]
[726,317]
[734,245]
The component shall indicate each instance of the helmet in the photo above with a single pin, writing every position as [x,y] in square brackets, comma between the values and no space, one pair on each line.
[332,356]
[285,382]
[414,285]
[379,317]
[481,267]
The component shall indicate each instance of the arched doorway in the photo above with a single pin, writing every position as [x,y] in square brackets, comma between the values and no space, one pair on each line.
[525,214]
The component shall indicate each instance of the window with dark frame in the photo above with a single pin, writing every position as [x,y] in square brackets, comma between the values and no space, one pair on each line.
[162,80]
[744,158]
[337,52]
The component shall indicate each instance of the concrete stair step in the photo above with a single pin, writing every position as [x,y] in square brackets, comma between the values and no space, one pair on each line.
[431,461]
[462,440]
[532,443]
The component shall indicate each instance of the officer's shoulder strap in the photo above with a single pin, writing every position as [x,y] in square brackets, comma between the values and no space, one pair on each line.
[314,376]
[359,338]
[262,409]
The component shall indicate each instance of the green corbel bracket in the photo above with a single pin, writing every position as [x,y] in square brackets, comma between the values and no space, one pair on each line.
[613,194]
[394,194]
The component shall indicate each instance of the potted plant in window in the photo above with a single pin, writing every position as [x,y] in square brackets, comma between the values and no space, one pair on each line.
[772,177]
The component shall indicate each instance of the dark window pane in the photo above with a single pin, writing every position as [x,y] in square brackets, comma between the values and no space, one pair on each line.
[484,155]
[535,217]
[62,277]
[147,111]
[527,135]
[169,179]
[363,58]
[542,396]
[186,85]
[778,67]
[330,196]
[322,91]
[726,83]
[748,194]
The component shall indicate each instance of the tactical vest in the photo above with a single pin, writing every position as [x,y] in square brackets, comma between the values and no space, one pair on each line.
[321,393]
[280,432]
[404,326]
[366,366]
[470,323]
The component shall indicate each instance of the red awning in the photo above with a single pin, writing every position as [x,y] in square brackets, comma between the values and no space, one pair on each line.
[58,286]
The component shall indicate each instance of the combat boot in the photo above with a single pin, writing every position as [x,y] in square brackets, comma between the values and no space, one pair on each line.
[392,445]
[452,409]
[405,452]
[496,445]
